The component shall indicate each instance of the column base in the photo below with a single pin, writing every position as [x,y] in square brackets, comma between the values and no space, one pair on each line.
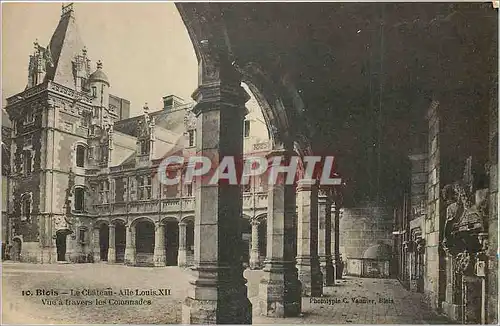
[217,300]
[327,269]
[46,256]
[111,256]
[339,270]
[159,258]
[182,258]
[130,257]
[452,311]
[279,292]
[97,257]
[309,274]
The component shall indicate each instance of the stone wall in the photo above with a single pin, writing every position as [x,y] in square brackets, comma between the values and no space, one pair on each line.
[363,227]
[492,279]
[431,262]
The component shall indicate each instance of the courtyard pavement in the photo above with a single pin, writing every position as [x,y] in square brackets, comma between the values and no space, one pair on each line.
[351,301]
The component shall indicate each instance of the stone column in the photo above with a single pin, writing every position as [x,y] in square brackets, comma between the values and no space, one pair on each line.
[337,261]
[70,250]
[218,294]
[307,239]
[325,238]
[182,254]
[111,248]
[254,251]
[159,256]
[279,289]
[130,246]
[96,245]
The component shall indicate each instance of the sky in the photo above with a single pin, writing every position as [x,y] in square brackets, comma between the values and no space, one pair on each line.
[144,47]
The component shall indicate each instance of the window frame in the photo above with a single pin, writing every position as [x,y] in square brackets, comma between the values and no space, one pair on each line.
[27,164]
[192,138]
[26,213]
[77,190]
[82,155]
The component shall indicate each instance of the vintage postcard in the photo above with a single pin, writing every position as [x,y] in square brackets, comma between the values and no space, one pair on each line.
[249,163]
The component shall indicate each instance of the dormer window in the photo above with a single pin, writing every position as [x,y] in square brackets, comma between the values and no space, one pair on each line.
[144,187]
[104,192]
[191,138]
[30,118]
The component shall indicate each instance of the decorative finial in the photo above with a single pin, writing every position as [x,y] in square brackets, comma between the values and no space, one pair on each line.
[99,64]
[66,9]
[84,50]
[36,45]
[146,108]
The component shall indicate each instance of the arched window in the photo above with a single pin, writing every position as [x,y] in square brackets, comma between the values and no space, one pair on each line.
[79,199]
[80,156]
[25,207]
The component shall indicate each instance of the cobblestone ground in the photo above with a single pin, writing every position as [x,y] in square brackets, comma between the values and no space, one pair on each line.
[401,306]
[360,301]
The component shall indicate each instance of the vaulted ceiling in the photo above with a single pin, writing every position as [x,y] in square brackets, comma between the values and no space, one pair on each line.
[366,72]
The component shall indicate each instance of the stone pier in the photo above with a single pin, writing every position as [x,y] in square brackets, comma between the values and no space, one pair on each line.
[279,288]
[111,248]
[96,245]
[159,256]
[130,246]
[325,237]
[182,254]
[218,294]
[307,239]
[254,251]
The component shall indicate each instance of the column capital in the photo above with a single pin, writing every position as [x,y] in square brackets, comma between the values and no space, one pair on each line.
[281,151]
[255,222]
[182,223]
[112,226]
[231,95]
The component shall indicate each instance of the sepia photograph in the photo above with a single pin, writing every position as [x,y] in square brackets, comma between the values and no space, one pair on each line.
[249,163]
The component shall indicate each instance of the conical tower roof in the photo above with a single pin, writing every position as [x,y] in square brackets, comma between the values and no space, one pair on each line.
[64,45]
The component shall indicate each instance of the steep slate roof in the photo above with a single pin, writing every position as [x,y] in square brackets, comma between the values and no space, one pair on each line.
[64,45]
[172,120]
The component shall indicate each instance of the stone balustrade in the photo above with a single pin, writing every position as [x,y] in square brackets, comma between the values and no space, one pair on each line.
[253,204]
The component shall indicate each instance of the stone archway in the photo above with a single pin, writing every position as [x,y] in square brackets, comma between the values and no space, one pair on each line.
[15,254]
[103,241]
[171,240]
[186,241]
[144,242]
